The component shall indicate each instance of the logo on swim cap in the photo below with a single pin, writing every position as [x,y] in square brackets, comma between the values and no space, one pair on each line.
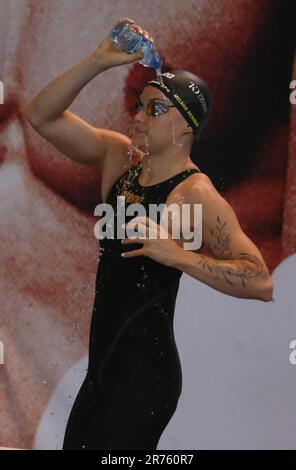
[189,93]
[168,74]
[192,86]
[195,88]
[155,82]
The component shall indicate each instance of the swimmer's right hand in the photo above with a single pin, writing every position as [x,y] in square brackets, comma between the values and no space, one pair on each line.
[111,54]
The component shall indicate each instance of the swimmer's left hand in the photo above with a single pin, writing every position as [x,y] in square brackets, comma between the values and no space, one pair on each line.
[163,250]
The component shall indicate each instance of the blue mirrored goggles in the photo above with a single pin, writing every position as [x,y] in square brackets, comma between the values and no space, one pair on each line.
[153,108]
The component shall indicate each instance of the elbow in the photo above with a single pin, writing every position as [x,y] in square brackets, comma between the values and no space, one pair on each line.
[27,112]
[266,294]
[31,117]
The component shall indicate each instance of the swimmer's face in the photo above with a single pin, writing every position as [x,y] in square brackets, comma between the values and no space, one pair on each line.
[158,132]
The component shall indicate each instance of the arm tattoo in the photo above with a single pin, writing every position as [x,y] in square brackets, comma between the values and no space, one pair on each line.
[221,246]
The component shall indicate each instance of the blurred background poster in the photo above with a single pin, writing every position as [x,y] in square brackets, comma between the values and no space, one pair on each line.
[237,355]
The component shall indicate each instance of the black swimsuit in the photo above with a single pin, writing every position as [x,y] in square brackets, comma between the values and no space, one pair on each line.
[134,377]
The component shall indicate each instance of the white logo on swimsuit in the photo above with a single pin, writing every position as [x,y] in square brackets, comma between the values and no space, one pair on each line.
[180,221]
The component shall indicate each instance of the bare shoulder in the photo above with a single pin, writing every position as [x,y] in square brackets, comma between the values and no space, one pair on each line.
[203,191]
[196,187]
[119,158]
[199,185]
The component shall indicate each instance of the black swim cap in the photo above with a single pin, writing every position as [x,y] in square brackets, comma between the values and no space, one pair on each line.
[189,93]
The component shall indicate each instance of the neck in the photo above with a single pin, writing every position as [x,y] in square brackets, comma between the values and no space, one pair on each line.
[159,168]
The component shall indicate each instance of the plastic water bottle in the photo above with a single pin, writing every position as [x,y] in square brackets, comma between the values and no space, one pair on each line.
[129,40]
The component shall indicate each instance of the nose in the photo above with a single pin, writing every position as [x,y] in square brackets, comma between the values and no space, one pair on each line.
[140,125]
[139,119]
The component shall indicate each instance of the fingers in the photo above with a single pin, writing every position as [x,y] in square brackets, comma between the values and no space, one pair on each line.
[146,35]
[134,239]
[137,27]
[133,253]
[125,20]
[143,32]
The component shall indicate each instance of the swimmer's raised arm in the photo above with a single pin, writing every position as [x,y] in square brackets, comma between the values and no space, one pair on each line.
[48,112]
